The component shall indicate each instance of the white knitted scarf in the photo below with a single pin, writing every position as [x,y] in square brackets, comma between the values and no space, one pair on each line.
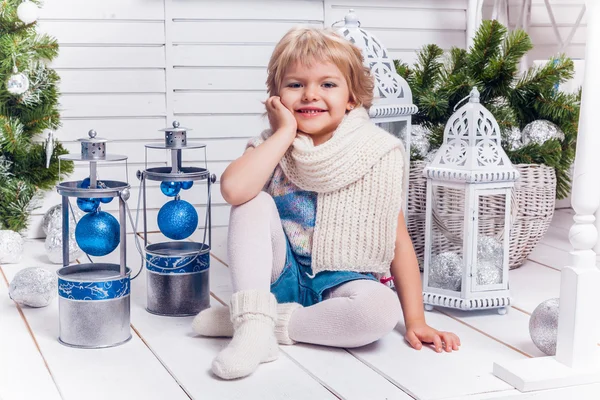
[357,175]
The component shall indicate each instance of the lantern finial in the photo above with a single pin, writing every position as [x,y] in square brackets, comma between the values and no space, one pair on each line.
[474,95]
[351,19]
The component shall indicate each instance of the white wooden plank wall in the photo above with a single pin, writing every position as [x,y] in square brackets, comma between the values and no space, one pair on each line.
[541,31]
[129,67]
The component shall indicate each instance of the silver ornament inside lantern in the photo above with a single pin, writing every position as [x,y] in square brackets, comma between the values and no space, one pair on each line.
[469,179]
[393,106]
[85,288]
[177,271]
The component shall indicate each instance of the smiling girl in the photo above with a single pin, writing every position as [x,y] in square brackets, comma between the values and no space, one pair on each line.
[316,217]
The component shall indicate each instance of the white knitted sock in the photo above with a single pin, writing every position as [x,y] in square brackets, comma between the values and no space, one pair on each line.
[284,313]
[253,313]
[213,322]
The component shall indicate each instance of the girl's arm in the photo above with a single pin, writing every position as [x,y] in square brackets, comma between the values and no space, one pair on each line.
[407,280]
[244,178]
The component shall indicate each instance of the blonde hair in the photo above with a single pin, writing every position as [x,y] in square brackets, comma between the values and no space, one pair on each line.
[307,45]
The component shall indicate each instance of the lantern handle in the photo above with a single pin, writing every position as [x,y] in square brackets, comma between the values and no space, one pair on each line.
[473,94]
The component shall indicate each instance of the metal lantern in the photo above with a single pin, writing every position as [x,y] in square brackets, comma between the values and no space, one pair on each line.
[469,185]
[94,301]
[392,104]
[177,270]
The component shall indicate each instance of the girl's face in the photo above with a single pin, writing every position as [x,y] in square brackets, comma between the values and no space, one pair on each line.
[318,96]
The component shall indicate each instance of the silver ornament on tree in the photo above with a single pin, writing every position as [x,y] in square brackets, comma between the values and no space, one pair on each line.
[11,247]
[53,246]
[27,12]
[419,141]
[540,131]
[53,218]
[514,138]
[446,271]
[430,156]
[33,287]
[49,148]
[543,326]
[17,83]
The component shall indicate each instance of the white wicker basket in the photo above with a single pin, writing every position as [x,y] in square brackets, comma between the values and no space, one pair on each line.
[533,204]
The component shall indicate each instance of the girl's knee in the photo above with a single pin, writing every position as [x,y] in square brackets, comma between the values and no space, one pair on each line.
[262,201]
[380,313]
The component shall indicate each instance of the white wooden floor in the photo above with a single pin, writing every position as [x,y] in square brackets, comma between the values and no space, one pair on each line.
[164,360]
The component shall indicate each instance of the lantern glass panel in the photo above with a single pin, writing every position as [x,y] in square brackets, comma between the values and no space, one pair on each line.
[396,128]
[488,248]
[446,263]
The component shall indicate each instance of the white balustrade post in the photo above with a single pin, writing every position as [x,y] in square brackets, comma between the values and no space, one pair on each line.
[577,359]
[579,296]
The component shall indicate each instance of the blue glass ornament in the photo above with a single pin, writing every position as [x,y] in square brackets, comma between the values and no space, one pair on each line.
[106,200]
[177,219]
[98,233]
[84,184]
[88,205]
[170,189]
[187,184]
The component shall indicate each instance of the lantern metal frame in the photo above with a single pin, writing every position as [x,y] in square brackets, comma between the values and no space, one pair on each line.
[392,107]
[104,288]
[471,160]
[176,142]
[93,151]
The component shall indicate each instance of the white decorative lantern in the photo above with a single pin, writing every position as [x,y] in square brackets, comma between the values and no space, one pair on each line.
[392,106]
[469,184]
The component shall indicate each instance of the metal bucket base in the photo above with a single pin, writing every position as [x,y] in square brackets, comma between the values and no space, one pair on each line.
[177,295]
[177,291]
[93,347]
[86,321]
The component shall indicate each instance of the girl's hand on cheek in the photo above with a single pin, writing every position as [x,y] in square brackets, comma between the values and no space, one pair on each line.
[280,117]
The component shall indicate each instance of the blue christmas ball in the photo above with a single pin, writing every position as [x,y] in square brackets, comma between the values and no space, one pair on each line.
[177,219]
[88,205]
[187,184]
[84,183]
[106,200]
[170,189]
[98,233]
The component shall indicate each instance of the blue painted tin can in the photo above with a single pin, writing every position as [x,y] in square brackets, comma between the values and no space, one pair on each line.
[177,278]
[93,305]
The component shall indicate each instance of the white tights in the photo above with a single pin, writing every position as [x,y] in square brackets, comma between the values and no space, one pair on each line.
[352,314]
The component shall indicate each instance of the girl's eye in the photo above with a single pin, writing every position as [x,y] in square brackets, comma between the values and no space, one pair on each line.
[294,85]
[329,85]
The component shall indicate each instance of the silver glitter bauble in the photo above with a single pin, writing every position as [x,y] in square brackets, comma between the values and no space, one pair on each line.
[53,246]
[33,287]
[445,271]
[543,326]
[419,139]
[490,249]
[488,273]
[514,138]
[17,83]
[53,218]
[540,131]
[11,247]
